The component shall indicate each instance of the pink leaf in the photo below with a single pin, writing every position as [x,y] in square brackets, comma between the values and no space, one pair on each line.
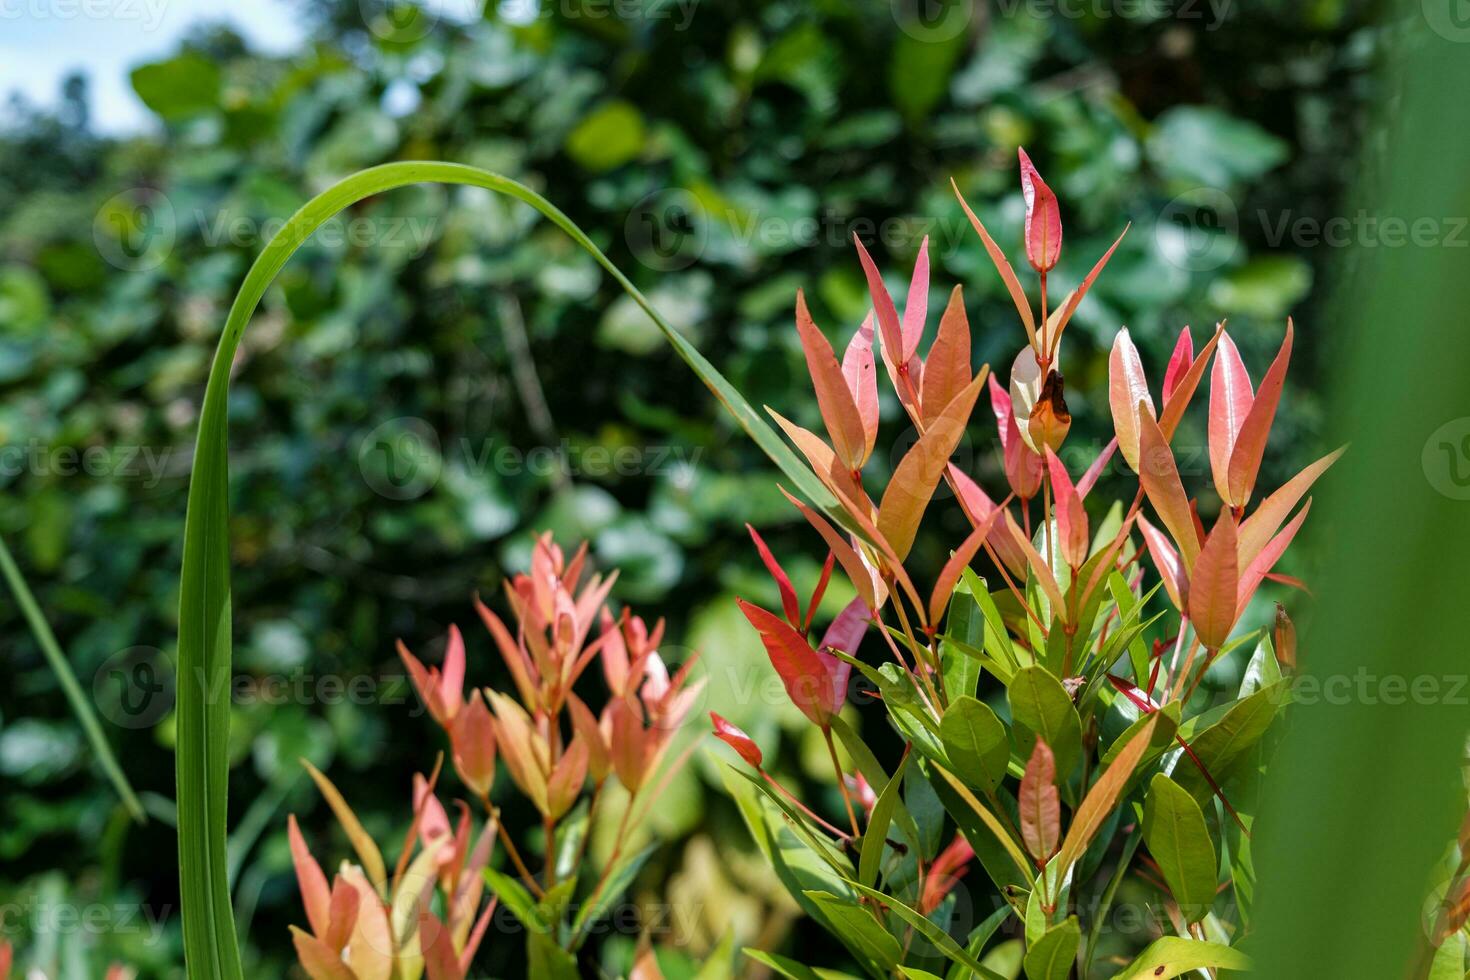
[1039,805]
[978,508]
[734,737]
[1043,218]
[1127,388]
[845,634]
[1214,584]
[862,381]
[1023,465]
[1071,517]
[789,604]
[472,742]
[315,894]
[1179,363]
[1250,441]
[916,306]
[871,591]
[888,324]
[1166,560]
[834,398]
[1230,402]
[1089,479]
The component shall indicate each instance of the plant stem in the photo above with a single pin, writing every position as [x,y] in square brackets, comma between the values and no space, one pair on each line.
[841,783]
[510,848]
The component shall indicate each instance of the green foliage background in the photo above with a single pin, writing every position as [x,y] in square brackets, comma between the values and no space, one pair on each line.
[754,138]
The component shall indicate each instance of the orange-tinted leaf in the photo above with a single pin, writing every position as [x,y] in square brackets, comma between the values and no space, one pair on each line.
[1259,527]
[1166,560]
[828,468]
[845,634]
[888,324]
[1003,266]
[859,370]
[1044,576]
[1214,584]
[315,894]
[1179,363]
[1023,465]
[871,591]
[362,843]
[1050,418]
[1230,403]
[472,743]
[957,563]
[318,959]
[1160,479]
[1283,641]
[1250,441]
[736,738]
[789,603]
[1040,807]
[1127,388]
[343,914]
[1071,517]
[1064,313]
[947,370]
[916,305]
[802,672]
[567,777]
[1043,218]
[918,473]
[1250,578]
[585,724]
[834,398]
[1101,800]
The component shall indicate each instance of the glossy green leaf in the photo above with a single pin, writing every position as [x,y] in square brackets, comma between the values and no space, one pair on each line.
[1053,955]
[1179,839]
[874,836]
[976,742]
[859,931]
[1173,957]
[1040,704]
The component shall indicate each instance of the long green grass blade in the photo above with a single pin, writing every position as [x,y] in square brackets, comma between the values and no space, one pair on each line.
[210,945]
[80,706]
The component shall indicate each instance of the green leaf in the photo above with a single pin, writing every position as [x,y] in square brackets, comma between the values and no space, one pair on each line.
[975,741]
[937,936]
[1178,838]
[1052,956]
[516,898]
[1040,703]
[204,649]
[548,960]
[1173,956]
[876,833]
[616,883]
[859,931]
[608,137]
[178,87]
[1221,744]
[81,705]
[790,968]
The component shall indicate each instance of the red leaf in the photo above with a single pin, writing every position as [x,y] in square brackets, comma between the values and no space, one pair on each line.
[1043,218]
[734,737]
[1022,464]
[1269,514]
[1230,402]
[804,674]
[888,325]
[1179,363]
[1214,584]
[315,894]
[1089,479]
[1250,441]
[1183,393]
[1127,388]
[789,604]
[1040,807]
[978,508]
[1072,539]
[947,371]
[845,634]
[1250,578]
